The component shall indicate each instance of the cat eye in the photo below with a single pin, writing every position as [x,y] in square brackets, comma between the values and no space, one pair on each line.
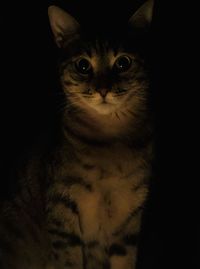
[122,64]
[83,66]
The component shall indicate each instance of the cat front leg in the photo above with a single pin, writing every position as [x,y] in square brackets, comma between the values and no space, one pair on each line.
[66,248]
[69,258]
[95,256]
[123,251]
[65,240]
[123,257]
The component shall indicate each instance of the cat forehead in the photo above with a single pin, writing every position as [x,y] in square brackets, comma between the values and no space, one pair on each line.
[105,50]
[100,50]
[95,46]
[96,55]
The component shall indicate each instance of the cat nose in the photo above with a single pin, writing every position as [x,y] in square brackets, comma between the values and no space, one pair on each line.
[103,92]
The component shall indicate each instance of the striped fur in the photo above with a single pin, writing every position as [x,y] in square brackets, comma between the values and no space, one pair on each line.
[79,204]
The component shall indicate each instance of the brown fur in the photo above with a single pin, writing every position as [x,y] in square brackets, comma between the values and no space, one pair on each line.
[80,204]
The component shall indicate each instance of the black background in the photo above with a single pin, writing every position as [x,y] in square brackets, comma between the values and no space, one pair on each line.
[29,108]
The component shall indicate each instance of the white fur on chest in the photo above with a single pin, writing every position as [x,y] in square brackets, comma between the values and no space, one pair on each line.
[113,176]
[104,209]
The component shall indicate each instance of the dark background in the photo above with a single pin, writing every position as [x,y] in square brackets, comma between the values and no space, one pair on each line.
[29,108]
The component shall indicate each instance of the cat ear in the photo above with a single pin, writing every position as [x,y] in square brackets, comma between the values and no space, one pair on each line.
[62,24]
[142,18]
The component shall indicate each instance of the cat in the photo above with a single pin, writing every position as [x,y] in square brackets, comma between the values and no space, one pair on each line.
[79,205]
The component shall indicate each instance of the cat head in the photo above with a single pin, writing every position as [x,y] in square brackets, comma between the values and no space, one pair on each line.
[103,74]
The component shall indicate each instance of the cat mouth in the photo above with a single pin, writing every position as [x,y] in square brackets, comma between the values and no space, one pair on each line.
[105,102]
[106,106]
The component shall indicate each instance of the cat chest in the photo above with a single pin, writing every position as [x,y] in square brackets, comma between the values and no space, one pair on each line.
[106,206]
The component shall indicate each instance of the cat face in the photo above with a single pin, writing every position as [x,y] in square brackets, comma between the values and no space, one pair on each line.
[98,75]
[104,81]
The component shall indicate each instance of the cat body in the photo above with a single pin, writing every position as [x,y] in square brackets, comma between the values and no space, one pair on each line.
[101,206]
[79,206]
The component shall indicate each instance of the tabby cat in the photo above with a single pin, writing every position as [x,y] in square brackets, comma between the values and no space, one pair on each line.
[79,206]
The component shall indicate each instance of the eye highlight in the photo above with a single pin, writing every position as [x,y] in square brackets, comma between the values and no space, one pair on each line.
[83,66]
[122,64]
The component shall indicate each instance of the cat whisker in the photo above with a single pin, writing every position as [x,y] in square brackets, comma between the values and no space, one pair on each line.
[68,109]
[71,104]
[123,113]
[116,114]
[130,112]
[119,94]
[72,95]
[66,106]
[87,96]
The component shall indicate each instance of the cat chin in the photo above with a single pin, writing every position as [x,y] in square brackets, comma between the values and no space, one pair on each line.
[100,108]
[105,108]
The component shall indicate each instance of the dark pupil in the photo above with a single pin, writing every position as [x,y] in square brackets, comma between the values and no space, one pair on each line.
[123,64]
[83,66]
